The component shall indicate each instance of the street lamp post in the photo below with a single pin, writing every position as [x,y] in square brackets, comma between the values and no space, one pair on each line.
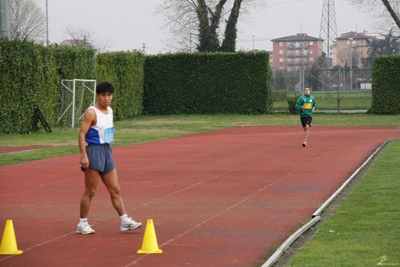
[351,69]
[253,40]
[351,63]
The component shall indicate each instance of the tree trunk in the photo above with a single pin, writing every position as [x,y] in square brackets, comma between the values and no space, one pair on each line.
[229,42]
[208,37]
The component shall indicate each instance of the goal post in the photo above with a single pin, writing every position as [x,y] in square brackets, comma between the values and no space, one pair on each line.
[75,96]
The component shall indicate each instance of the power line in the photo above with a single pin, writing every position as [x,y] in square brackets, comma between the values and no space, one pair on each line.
[287,2]
[251,40]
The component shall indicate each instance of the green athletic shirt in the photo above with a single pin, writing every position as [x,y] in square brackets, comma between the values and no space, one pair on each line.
[309,101]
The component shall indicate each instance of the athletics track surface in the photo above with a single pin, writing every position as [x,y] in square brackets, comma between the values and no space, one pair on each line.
[221,198]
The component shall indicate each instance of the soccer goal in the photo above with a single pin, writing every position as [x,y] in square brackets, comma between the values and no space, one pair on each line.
[75,97]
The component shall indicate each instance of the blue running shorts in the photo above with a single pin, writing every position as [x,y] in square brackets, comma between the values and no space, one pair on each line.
[100,157]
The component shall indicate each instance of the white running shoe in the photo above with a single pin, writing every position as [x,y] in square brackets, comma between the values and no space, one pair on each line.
[129,224]
[84,229]
[304,144]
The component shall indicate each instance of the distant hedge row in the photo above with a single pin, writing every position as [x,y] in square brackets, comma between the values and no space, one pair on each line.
[30,77]
[200,83]
[386,85]
[207,83]
[31,74]
[163,84]
[125,71]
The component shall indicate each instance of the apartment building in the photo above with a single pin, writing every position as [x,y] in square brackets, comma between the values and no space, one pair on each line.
[350,48]
[295,52]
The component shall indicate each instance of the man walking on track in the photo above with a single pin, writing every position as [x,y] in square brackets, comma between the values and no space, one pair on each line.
[306,106]
[97,131]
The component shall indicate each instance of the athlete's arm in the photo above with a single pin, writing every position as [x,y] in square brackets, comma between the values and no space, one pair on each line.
[88,120]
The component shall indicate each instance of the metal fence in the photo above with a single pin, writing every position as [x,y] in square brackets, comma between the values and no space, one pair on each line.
[334,89]
[323,80]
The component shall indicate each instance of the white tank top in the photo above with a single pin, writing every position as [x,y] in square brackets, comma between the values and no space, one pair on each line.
[103,131]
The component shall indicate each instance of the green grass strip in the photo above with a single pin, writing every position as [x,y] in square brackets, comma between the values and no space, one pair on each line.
[365,229]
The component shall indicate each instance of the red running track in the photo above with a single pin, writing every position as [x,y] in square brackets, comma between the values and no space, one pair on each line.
[221,198]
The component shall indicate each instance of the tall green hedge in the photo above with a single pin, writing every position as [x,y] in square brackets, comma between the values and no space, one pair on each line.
[20,80]
[386,85]
[72,63]
[207,83]
[30,76]
[47,97]
[125,71]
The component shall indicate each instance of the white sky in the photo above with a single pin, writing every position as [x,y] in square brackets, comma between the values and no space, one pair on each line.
[130,23]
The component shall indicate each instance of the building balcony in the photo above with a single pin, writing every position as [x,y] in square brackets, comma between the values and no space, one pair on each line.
[293,64]
[291,55]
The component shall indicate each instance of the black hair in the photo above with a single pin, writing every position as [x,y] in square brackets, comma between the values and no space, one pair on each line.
[104,87]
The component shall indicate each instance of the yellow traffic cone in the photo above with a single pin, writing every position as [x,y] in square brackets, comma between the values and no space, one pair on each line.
[9,242]
[150,244]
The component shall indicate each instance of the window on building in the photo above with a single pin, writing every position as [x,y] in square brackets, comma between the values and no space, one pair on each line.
[311,59]
[289,60]
[280,52]
[311,51]
[311,42]
[280,59]
[280,43]
[353,42]
[297,52]
[297,44]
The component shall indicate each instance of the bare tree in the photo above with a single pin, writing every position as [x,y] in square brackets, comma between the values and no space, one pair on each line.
[85,37]
[27,21]
[207,25]
[78,36]
[382,9]
[181,20]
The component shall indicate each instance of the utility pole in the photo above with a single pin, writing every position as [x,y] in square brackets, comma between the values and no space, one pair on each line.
[144,48]
[4,19]
[47,24]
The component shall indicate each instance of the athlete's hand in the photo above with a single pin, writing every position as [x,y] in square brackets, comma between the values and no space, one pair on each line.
[84,164]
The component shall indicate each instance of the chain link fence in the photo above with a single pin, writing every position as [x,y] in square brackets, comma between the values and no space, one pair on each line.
[334,89]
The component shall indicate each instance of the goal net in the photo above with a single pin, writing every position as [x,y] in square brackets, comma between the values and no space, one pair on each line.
[75,96]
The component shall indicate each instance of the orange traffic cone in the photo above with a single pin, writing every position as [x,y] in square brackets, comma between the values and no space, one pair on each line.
[150,244]
[9,242]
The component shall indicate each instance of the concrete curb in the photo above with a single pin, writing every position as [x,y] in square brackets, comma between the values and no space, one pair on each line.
[316,216]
